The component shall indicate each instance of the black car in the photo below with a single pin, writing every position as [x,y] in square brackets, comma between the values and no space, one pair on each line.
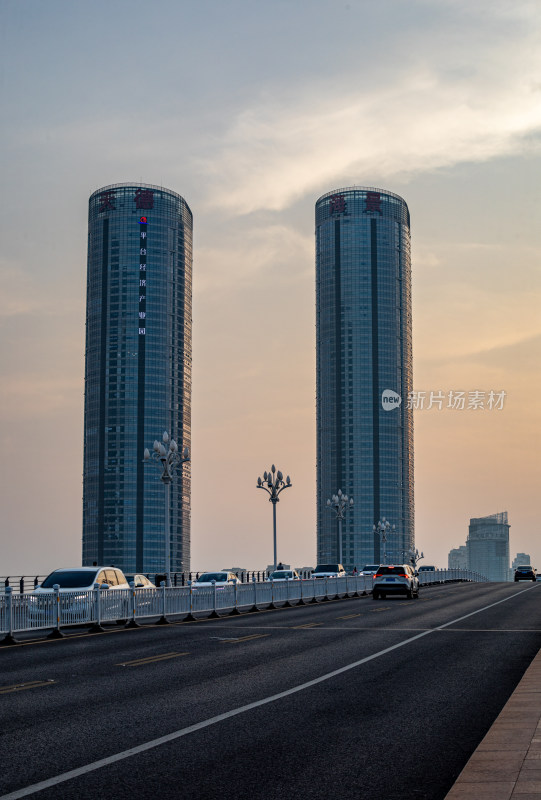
[525,573]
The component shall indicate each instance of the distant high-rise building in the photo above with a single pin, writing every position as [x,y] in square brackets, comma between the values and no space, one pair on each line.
[458,558]
[138,374]
[488,546]
[364,373]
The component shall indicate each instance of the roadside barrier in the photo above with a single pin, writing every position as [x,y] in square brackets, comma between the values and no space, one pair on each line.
[59,609]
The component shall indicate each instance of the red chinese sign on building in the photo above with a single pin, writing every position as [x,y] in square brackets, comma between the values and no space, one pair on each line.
[144,198]
[337,204]
[107,202]
[143,246]
[373,201]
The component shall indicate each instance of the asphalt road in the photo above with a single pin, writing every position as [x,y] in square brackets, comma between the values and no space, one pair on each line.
[355,698]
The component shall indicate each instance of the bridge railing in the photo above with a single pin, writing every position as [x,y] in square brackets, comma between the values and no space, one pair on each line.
[23,612]
[428,577]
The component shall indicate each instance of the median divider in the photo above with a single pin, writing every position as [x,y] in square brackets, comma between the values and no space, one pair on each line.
[61,609]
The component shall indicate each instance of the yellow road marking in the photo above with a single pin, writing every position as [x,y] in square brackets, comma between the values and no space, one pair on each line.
[245,638]
[19,687]
[375,610]
[150,659]
[349,616]
[308,625]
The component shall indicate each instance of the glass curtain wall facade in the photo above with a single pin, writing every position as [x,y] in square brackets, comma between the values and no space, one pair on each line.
[488,546]
[364,373]
[138,375]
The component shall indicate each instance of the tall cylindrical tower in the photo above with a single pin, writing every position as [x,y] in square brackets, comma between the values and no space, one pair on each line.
[364,372]
[138,374]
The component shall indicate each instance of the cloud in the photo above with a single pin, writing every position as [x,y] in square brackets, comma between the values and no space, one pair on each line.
[278,150]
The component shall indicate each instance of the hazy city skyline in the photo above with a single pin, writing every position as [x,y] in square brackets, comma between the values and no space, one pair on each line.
[251,111]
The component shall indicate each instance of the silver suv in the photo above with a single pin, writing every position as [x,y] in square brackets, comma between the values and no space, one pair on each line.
[391,579]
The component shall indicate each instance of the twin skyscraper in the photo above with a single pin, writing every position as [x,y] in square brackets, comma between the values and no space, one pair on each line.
[139,371]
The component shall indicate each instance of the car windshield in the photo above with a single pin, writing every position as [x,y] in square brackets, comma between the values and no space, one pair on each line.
[370,567]
[69,579]
[206,577]
[327,568]
[281,573]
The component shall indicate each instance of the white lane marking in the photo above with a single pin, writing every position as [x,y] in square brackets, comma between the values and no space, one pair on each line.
[170,737]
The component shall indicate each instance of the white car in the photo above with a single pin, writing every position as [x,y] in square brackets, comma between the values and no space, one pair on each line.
[75,578]
[284,575]
[219,578]
[329,571]
[395,579]
[140,581]
[369,570]
[75,583]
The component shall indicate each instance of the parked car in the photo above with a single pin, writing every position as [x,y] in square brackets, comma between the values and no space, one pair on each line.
[329,571]
[369,570]
[140,581]
[395,579]
[284,575]
[220,578]
[76,583]
[525,572]
[83,578]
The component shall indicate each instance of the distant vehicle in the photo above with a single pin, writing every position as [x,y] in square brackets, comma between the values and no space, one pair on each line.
[369,569]
[284,575]
[427,568]
[329,571]
[140,581]
[219,578]
[525,572]
[395,579]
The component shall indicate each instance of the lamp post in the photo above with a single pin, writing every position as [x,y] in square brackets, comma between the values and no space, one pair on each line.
[273,483]
[167,457]
[340,504]
[383,528]
[415,557]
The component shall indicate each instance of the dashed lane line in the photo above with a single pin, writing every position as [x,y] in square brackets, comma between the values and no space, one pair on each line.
[151,659]
[20,687]
[245,638]
[298,627]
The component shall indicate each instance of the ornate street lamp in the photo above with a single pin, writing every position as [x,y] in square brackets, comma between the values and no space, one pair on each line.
[415,557]
[383,528]
[273,483]
[340,504]
[167,457]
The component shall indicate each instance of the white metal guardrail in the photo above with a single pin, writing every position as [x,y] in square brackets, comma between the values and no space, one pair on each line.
[28,612]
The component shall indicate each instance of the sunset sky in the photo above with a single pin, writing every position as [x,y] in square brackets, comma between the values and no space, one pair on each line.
[251,110]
